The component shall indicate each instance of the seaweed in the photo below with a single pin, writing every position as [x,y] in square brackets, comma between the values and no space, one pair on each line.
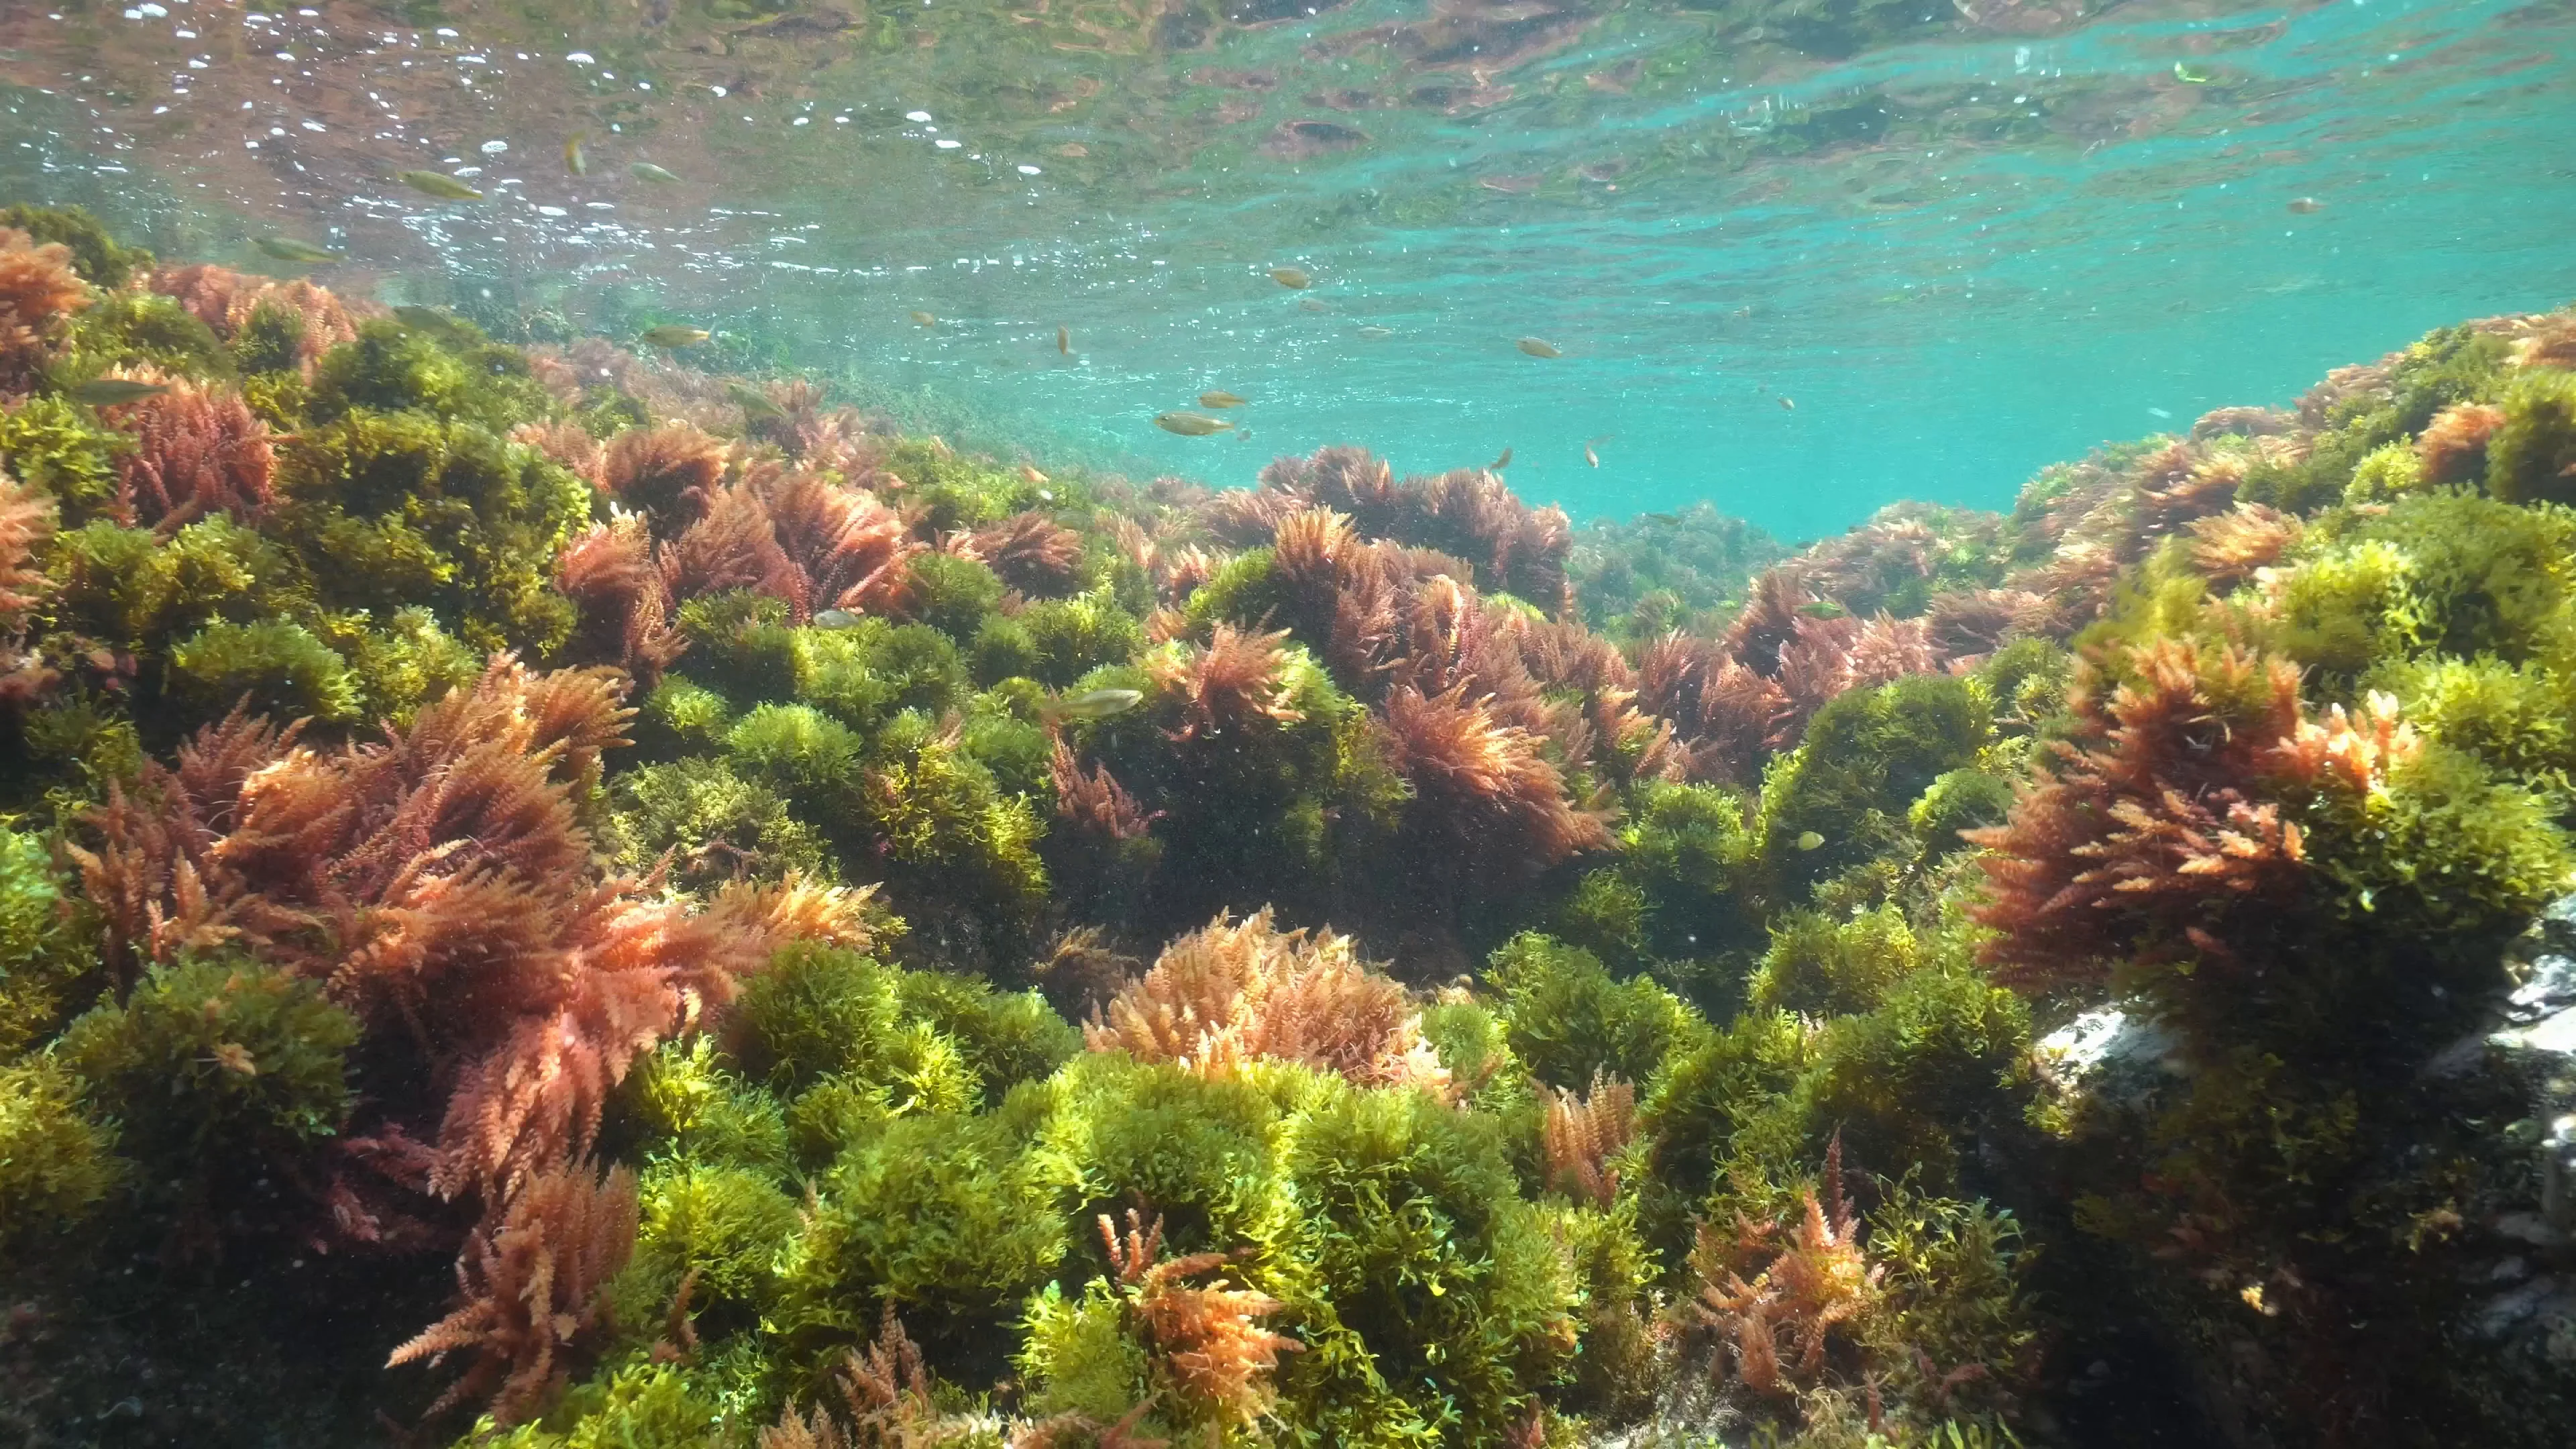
[1551,1033]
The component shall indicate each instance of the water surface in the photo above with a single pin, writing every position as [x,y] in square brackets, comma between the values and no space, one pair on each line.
[1963,238]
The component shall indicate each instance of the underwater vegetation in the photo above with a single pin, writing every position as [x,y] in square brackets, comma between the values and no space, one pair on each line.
[552,898]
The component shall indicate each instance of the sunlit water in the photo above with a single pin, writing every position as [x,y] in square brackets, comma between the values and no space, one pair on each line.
[1964,237]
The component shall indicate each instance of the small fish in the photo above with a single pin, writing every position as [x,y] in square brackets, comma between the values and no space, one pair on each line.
[2188,76]
[108,392]
[1537,347]
[2306,206]
[1809,840]
[1243,435]
[1214,399]
[1293,278]
[1590,456]
[1668,520]
[836,619]
[2158,413]
[676,335]
[1788,404]
[1499,464]
[924,319]
[647,171]
[1822,609]
[288,249]
[576,160]
[438,184]
[1190,425]
[1030,474]
[1064,340]
[428,319]
[816,26]
[1309,304]
[1375,332]
[1092,704]
[753,402]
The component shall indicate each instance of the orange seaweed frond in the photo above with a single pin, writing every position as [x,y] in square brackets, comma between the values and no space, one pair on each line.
[1208,1339]
[1237,679]
[733,545]
[1482,781]
[2351,750]
[1467,512]
[2177,485]
[1307,546]
[2157,843]
[1235,990]
[2454,444]
[1081,1431]
[2551,342]
[195,453]
[206,291]
[38,289]
[667,473]
[1778,1325]
[2251,422]
[439,882]
[1179,573]
[226,300]
[27,520]
[2227,548]
[850,547]
[1241,518]
[1580,1135]
[533,1287]
[568,444]
[796,908]
[624,606]
[1094,801]
[1671,671]
[1032,552]
[1769,619]
[1969,623]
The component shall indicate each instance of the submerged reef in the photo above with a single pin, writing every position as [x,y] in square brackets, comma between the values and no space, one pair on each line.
[542,905]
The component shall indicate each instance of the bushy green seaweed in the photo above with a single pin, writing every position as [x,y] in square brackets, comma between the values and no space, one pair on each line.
[47,964]
[272,667]
[393,510]
[56,1162]
[1843,796]
[449,372]
[138,330]
[209,1062]
[50,444]
[1568,1020]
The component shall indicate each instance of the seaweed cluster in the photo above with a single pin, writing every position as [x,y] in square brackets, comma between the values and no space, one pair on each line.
[582,902]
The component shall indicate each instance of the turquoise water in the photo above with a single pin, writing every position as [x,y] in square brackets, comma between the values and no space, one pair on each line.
[1964,238]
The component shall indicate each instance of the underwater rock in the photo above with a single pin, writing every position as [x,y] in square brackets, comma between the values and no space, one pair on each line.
[2532,1036]
[2118,1055]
